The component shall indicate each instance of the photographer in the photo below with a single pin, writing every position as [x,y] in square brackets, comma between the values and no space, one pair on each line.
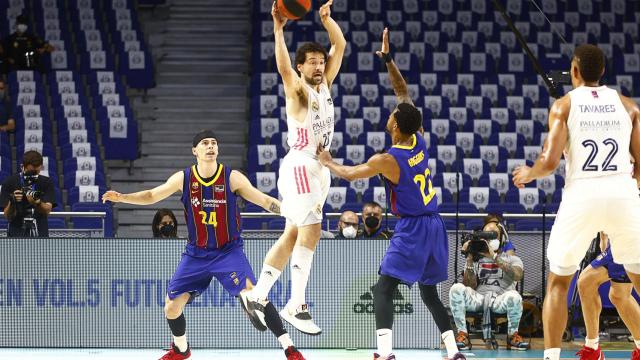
[489,284]
[27,199]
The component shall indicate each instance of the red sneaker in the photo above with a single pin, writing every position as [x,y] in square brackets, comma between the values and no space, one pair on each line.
[587,353]
[635,355]
[175,354]
[378,357]
[293,353]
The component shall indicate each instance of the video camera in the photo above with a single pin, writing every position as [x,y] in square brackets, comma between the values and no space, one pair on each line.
[478,243]
[28,180]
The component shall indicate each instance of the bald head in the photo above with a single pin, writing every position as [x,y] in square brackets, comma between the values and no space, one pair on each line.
[348,218]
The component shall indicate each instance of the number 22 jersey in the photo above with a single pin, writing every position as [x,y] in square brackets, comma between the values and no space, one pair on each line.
[414,194]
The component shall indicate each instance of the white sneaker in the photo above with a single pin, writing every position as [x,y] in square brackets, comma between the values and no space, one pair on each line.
[254,310]
[301,319]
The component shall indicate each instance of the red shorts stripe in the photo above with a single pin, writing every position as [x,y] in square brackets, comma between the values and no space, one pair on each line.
[306,179]
[295,173]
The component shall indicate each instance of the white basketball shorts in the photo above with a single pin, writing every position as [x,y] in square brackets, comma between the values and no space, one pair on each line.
[304,185]
[610,204]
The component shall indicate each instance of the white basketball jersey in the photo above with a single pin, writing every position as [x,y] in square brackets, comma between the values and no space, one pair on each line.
[599,134]
[317,127]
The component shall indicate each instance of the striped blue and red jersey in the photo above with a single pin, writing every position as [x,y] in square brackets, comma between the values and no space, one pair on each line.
[210,210]
[413,195]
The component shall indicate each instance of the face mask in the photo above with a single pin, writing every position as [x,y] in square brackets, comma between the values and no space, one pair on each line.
[349,232]
[22,28]
[167,229]
[372,222]
[495,244]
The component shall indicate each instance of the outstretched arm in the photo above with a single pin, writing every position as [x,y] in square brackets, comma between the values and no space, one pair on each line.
[148,197]
[397,81]
[383,164]
[338,43]
[290,79]
[554,145]
[242,186]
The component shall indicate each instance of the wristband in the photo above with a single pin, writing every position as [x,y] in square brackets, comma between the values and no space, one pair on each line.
[386,57]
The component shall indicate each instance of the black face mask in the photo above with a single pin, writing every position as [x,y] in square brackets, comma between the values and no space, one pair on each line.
[372,222]
[167,230]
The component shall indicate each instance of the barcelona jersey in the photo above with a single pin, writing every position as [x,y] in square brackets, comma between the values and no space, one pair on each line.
[413,195]
[211,214]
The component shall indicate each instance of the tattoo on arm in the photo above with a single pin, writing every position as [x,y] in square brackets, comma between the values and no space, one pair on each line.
[470,279]
[398,83]
[274,208]
[514,272]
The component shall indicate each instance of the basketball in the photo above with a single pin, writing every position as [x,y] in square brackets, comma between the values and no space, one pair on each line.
[294,9]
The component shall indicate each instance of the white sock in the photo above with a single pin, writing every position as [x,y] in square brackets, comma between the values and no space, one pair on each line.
[285,341]
[552,354]
[301,258]
[181,342]
[385,342]
[268,276]
[592,343]
[637,343]
[449,340]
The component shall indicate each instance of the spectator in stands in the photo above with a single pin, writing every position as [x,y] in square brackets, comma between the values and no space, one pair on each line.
[22,49]
[7,122]
[164,224]
[348,225]
[488,285]
[27,199]
[494,222]
[372,222]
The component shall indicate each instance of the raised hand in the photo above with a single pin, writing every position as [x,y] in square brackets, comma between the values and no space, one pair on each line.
[112,196]
[279,21]
[325,10]
[384,49]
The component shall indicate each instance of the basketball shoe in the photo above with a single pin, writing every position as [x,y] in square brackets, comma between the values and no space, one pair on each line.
[293,353]
[389,357]
[254,310]
[517,342]
[462,341]
[301,319]
[175,354]
[587,353]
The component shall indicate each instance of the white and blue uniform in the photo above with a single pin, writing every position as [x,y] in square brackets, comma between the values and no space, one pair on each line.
[599,192]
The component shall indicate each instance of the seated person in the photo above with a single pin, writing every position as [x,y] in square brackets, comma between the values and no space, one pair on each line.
[488,285]
[372,222]
[601,270]
[164,224]
[348,225]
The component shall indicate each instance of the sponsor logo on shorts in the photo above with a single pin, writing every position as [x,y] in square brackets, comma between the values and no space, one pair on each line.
[365,303]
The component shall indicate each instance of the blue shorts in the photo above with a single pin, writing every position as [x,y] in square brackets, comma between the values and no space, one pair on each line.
[419,251]
[615,270]
[228,265]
